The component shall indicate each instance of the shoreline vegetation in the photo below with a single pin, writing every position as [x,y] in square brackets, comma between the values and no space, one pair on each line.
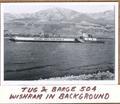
[92,72]
[107,75]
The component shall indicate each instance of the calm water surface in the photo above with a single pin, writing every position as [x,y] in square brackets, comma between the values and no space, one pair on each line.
[35,60]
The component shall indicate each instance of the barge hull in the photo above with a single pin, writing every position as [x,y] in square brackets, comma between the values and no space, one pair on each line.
[18,39]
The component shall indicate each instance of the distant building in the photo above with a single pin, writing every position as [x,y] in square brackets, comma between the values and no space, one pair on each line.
[6,33]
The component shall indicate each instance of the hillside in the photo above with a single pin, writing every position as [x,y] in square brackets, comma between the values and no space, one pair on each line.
[60,22]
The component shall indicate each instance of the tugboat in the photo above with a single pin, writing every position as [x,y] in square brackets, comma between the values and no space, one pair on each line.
[89,39]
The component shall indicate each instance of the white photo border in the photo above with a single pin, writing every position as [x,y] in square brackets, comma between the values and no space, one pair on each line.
[40,82]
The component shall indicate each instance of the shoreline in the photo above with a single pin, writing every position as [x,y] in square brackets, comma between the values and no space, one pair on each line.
[96,76]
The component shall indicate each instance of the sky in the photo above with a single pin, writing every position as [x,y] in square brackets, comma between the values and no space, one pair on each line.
[34,7]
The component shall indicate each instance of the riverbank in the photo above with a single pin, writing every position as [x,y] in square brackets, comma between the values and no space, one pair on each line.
[98,76]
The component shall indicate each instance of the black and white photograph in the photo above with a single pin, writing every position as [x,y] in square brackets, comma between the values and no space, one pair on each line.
[59,41]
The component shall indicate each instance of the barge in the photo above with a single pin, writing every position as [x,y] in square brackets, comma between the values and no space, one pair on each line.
[38,39]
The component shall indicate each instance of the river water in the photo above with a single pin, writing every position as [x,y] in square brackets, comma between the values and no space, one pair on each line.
[35,60]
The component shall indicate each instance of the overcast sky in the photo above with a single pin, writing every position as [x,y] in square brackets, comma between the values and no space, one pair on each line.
[34,7]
